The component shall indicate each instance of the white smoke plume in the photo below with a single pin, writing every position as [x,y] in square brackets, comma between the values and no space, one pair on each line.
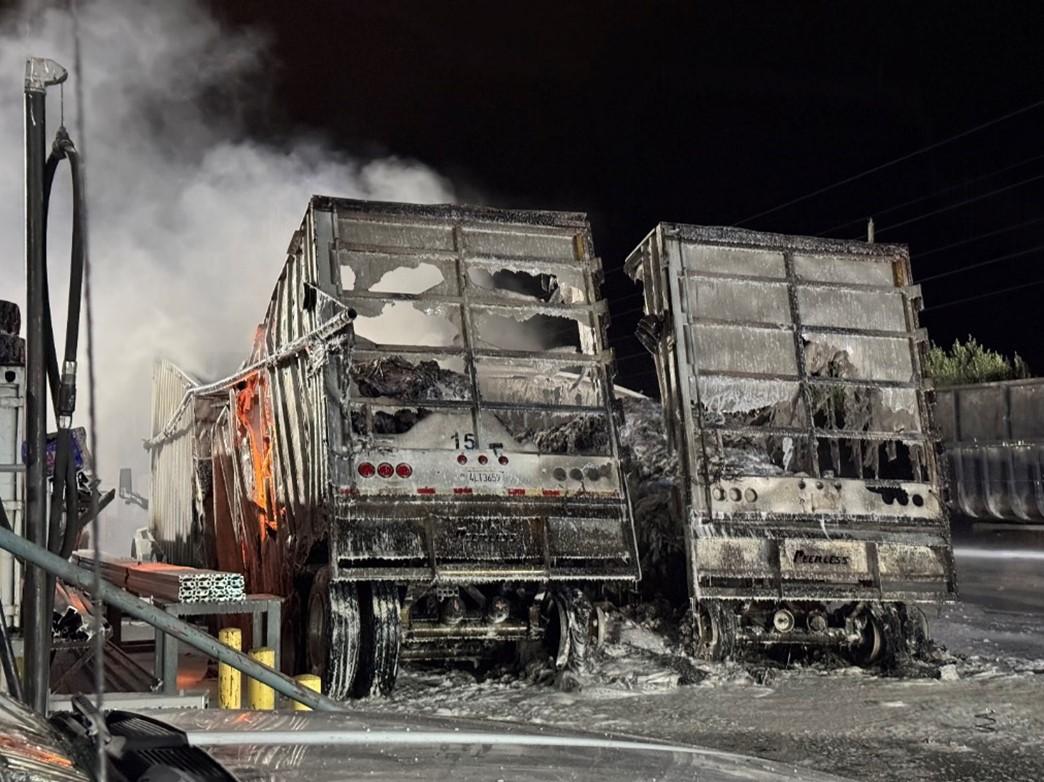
[189,217]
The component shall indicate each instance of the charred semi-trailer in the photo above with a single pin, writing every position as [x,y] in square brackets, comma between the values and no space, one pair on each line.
[421,453]
[810,491]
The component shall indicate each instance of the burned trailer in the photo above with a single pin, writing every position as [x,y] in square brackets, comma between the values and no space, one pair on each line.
[809,489]
[421,452]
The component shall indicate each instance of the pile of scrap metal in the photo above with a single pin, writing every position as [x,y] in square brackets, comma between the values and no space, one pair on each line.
[168,583]
[72,618]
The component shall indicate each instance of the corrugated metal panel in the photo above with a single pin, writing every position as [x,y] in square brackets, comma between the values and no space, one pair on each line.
[171,516]
[790,373]
[993,440]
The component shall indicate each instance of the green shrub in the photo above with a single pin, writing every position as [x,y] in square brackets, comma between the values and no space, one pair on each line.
[970,362]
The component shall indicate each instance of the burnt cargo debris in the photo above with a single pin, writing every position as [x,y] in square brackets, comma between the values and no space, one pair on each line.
[420,454]
[809,492]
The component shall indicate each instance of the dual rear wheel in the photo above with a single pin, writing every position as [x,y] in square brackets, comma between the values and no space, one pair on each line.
[354,636]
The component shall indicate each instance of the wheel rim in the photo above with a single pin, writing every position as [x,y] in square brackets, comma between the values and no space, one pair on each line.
[708,632]
[557,631]
[871,643]
[318,635]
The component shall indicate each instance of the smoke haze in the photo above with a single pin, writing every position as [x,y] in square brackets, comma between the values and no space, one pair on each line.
[189,217]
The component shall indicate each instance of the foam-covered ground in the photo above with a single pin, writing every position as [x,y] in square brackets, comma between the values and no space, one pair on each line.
[976,712]
[975,716]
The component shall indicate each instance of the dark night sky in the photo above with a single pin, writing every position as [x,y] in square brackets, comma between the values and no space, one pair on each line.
[704,113]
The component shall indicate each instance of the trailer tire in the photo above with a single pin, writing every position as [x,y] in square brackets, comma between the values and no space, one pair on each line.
[12,350]
[566,617]
[379,639]
[882,631]
[10,318]
[332,643]
[916,634]
[714,631]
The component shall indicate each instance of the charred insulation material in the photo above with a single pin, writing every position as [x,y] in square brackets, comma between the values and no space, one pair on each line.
[652,470]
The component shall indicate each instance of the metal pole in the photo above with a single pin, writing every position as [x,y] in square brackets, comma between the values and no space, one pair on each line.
[39,73]
[184,632]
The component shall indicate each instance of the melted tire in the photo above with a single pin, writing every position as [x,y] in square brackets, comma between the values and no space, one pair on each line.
[714,631]
[882,637]
[916,634]
[567,628]
[379,639]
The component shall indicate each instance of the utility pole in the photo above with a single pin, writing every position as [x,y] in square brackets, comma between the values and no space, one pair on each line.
[870,230]
[39,75]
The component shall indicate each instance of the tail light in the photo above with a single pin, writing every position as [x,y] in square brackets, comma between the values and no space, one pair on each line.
[483,458]
[403,470]
[503,460]
[366,470]
[385,470]
[462,459]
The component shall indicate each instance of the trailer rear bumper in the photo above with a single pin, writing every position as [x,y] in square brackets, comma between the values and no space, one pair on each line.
[461,543]
[789,565]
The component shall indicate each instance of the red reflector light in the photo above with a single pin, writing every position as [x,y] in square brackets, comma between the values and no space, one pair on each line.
[503,460]
[385,470]
[366,470]
[552,492]
[516,492]
[403,470]
[463,490]
[483,458]
[462,459]
[426,490]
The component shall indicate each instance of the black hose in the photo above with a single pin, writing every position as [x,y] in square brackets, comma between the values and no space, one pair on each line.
[64,494]
[67,396]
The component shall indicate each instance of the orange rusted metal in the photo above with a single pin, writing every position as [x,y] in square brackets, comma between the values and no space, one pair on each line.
[254,415]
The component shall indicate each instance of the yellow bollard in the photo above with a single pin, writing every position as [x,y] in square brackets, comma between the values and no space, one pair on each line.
[230,681]
[312,682]
[260,696]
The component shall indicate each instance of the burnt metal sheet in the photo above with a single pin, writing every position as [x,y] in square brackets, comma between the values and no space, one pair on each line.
[789,368]
[175,512]
[993,441]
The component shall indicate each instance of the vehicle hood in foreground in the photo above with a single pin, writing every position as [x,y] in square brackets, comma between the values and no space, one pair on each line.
[321,747]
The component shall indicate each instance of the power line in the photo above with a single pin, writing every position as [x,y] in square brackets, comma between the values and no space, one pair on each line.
[959,204]
[988,262]
[985,295]
[878,213]
[895,161]
[976,237]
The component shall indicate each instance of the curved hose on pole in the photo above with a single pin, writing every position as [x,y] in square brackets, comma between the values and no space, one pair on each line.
[62,382]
